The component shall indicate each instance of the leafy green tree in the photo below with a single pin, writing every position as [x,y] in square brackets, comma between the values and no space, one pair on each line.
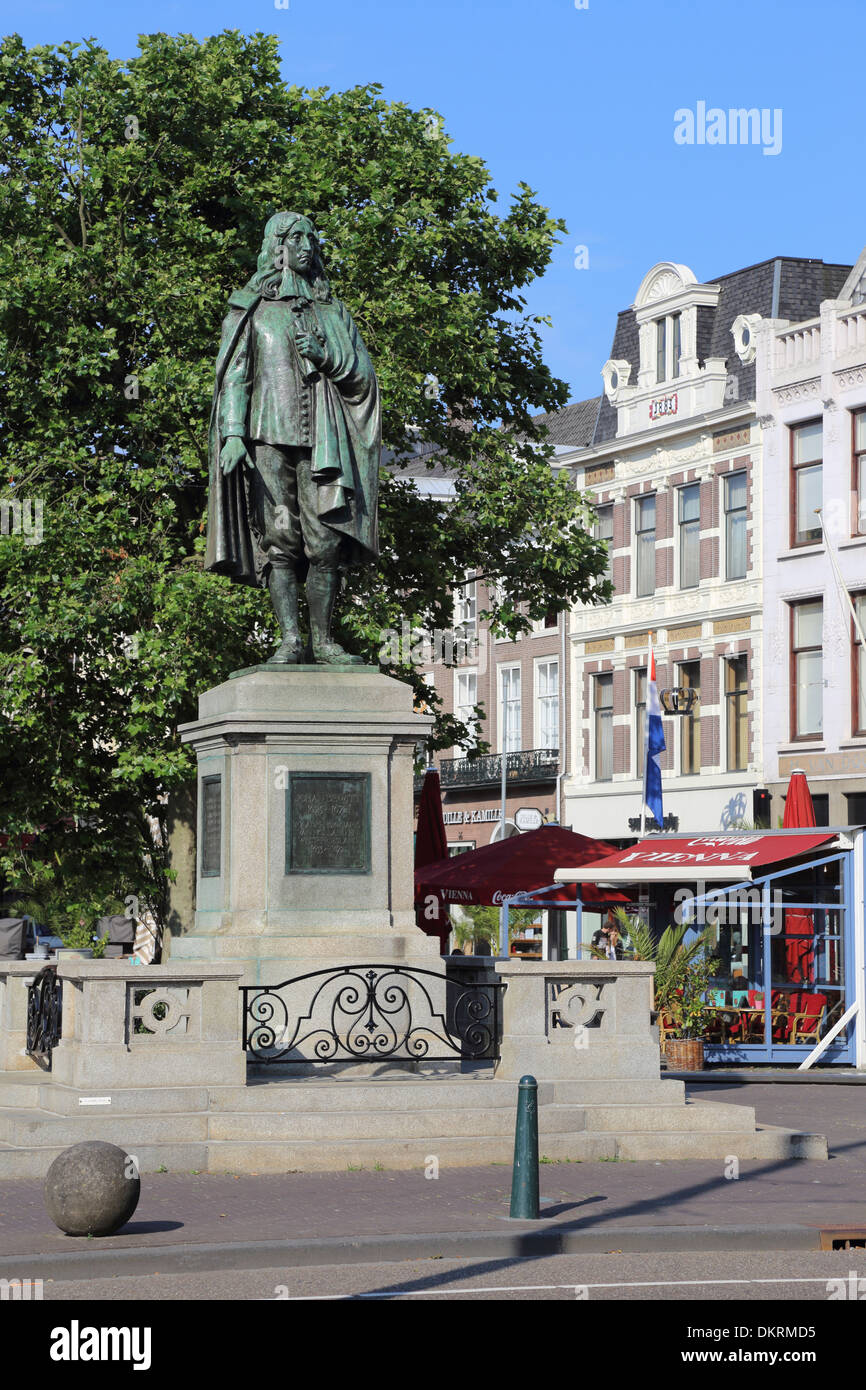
[132,202]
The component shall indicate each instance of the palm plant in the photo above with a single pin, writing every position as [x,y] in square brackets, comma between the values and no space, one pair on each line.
[481,923]
[683,971]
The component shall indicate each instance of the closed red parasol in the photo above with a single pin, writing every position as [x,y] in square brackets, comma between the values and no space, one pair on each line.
[431,847]
[799,955]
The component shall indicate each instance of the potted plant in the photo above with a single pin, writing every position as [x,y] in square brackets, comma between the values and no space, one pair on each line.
[684,971]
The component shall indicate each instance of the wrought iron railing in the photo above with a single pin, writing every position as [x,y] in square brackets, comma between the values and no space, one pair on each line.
[368,1013]
[44,1015]
[531,765]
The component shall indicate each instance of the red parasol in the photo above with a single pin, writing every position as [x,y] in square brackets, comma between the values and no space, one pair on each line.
[799,955]
[431,847]
[518,864]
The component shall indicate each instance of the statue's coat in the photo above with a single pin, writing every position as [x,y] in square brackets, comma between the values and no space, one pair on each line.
[265,390]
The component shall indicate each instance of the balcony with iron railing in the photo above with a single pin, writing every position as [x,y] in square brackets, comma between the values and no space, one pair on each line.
[523,768]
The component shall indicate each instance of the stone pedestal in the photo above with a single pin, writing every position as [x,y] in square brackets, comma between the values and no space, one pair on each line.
[578,1020]
[305,857]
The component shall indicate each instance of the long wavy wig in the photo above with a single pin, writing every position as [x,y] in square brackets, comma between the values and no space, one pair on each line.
[274,281]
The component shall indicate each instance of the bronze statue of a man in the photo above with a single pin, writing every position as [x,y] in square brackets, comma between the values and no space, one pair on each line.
[295,440]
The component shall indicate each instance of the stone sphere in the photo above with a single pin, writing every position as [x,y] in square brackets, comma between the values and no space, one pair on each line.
[92,1189]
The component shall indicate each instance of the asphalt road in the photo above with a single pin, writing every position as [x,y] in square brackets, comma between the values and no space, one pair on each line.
[713,1278]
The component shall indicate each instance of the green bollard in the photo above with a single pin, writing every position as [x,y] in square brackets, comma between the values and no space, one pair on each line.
[524,1177]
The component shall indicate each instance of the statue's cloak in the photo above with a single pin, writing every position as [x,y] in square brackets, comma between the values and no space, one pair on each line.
[346,441]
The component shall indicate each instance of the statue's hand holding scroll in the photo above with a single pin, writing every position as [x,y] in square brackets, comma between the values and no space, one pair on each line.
[310,347]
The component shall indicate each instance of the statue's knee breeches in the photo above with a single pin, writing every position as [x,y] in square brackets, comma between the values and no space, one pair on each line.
[283,509]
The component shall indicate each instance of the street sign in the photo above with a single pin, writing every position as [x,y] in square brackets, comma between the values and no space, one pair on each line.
[528,818]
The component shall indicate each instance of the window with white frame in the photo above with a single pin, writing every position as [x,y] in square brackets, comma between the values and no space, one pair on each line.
[807,451]
[807,669]
[640,691]
[858,462]
[645,543]
[736,713]
[466,607]
[547,703]
[735,525]
[509,705]
[676,343]
[604,532]
[689,676]
[661,349]
[669,347]
[465,695]
[859,667]
[603,719]
[690,535]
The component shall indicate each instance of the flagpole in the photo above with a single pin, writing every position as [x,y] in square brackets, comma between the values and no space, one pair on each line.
[840,583]
[646,737]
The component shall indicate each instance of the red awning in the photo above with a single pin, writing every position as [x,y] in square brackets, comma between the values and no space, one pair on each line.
[707,857]
[519,864]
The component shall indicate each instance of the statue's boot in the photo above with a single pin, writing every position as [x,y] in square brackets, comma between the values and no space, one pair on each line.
[322,586]
[283,588]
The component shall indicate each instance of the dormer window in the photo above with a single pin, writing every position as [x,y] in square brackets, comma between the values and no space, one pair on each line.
[676,344]
[669,347]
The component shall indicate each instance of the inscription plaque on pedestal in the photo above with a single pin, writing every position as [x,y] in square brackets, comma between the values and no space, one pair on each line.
[211,826]
[328,823]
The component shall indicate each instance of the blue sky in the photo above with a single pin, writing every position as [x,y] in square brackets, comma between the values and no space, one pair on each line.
[580,104]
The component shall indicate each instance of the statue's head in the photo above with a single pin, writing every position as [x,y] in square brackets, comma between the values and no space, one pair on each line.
[290,247]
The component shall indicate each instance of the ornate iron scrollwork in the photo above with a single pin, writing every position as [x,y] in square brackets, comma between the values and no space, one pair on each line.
[44,1015]
[366,1013]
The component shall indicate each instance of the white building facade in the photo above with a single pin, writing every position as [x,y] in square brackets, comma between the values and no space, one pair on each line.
[674,468]
[811,402]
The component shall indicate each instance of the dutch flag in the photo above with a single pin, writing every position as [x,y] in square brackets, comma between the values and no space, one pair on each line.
[655,745]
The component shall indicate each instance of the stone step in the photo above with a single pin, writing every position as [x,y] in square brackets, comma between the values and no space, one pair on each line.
[335,1125]
[175,1158]
[314,1156]
[20,1089]
[145,1100]
[698,1116]
[39,1128]
[321,1096]
[396,1090]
